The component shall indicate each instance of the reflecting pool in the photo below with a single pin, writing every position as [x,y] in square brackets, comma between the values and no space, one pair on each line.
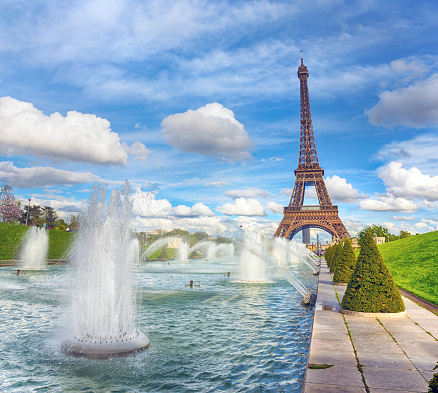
[217,335]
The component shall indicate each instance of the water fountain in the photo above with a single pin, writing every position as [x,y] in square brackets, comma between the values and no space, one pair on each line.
[103,300]
[34,252]
[280,250]
[211,251]
[157,244]
[226,250]
[252,264]
[183,252]
[203,244]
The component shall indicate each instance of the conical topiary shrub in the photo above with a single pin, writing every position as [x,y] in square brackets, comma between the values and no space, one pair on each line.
[336,256]
[328,255]
[371,287]
[345,266]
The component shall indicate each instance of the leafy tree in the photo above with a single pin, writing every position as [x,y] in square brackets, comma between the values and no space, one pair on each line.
[404,234]
[9,209]
[371,287]
[50,216]
[201,236]
[329,255]
[345,266]
[375,230]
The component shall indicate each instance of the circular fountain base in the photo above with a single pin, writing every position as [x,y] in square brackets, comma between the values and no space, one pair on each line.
[99,347]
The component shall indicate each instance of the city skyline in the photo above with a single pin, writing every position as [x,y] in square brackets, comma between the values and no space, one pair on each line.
[200,101]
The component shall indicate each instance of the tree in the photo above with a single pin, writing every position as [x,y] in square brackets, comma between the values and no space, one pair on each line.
[375,230]
[337,254]
[345,266]
[164,254]
[50,216]
[9,209]
[371,287]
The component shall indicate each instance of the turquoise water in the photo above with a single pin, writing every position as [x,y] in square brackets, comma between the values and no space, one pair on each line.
[220,336]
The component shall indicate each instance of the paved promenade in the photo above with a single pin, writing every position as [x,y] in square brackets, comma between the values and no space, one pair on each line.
[384,355]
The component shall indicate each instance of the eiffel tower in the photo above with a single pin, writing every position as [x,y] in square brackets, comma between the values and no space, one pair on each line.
[297,216]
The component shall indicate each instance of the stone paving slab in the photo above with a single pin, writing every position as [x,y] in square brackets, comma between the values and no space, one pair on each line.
[396,354]
[396,379]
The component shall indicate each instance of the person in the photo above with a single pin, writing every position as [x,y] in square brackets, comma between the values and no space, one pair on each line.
[18,272]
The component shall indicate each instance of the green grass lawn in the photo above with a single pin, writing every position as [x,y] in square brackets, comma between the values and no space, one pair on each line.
[413,262]
[11,237]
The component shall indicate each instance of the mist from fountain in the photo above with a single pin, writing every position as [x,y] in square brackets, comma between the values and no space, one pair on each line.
[252,264]
[226,250]
[103,309]
[203,244]
[34,250]
[211,251]
[280,250]
[183,251]
[157,244]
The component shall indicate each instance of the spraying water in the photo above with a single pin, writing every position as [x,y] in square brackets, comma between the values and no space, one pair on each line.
[34,252]
[252,263]
[103,299]
[183,251]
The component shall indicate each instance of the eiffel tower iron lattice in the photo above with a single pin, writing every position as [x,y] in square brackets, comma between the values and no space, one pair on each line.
[296,216]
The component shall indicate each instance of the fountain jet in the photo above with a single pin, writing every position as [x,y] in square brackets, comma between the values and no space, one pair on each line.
[34,252]
[103,300]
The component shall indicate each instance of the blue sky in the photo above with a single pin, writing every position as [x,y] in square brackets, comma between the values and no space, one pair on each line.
[201,100]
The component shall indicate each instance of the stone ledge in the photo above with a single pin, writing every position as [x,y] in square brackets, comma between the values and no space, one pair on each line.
[373,314]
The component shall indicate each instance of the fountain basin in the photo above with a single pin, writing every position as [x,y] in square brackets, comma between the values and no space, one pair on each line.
[100,347]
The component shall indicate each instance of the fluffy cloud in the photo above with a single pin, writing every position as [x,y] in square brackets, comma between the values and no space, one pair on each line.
[409,183]
[341,191]
[243,207]
[248,193]
[275,207]
[76,137]
[145,204]
[403,218]
[387,202]
[211,130]
[413,106]
[419,151]
[42,176]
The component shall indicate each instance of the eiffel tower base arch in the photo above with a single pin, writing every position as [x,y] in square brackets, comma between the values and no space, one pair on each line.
[325,218]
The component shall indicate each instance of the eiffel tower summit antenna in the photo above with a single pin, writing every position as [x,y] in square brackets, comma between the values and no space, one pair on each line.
[297,216]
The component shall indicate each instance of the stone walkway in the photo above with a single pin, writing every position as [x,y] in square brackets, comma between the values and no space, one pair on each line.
[382,355]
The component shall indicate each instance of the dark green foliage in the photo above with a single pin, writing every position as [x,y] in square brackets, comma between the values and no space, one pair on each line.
[433,383]
[328,255]
[371,288]
[345,266]
[11,236]
[336,256]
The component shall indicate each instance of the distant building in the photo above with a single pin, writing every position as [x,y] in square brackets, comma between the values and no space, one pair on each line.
[379,240]
[354,243]
[306,236]
[174,243]
[158,232]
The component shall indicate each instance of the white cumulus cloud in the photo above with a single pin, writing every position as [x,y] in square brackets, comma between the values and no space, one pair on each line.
[25,129]
[42,176]
[413,106]
[341,191]
[248,193]
[387,202]
[243,207]
[409,183]
[275,207]
[211,130]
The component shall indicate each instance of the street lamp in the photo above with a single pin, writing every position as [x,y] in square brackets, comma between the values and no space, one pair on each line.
[28,208]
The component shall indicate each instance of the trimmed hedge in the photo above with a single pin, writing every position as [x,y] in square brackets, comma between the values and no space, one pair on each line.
[345,266]
[372,288]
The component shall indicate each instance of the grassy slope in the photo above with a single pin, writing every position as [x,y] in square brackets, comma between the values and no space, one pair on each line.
[413,262]
[12,235]
[10,239]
